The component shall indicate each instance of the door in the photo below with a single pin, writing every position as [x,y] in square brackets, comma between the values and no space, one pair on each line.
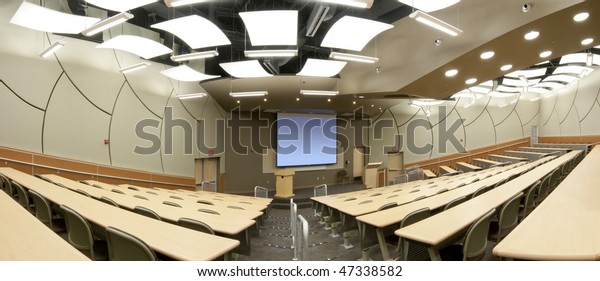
[358,157]
[207,169]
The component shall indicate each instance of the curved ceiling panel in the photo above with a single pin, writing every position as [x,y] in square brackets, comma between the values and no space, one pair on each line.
[47,20]
[352,33]
[196,31]
[187,74]
[140,46]
[271,27]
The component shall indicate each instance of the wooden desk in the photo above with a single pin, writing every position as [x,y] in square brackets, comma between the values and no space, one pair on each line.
[466,167]
[506,158]
[429,174]
[162,237]
[446,171]
[255,200]
[442,228]
[562,151]
[25,238]
[487,163]
[565,225]
[382,219]
[527,154]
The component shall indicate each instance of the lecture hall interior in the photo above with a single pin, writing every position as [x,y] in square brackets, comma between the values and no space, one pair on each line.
[299,130]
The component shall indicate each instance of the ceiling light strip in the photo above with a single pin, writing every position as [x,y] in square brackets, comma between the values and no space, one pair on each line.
[134,67]
[319,93]
[248,94]
[436,23]
[52,49]
[364,4]
[353,57]
[191,96]
[270,53]
[107,23]
[195,56]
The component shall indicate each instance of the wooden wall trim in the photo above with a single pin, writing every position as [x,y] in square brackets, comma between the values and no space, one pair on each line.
[35,163]
[591,139]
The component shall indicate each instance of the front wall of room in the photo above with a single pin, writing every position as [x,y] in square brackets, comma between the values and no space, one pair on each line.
[68,104]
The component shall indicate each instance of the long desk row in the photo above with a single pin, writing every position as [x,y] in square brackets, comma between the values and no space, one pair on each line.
[565,225]
[440,229]
[386,218]
[168,239]
[25,238]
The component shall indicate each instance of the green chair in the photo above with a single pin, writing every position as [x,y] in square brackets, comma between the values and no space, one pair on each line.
[195,225]
[83,193]
[507,219]
[5,184]
[482,190]
[404,246]
[22,197]
[43,212]
[544,188]
[79,235]
[454,202]
[123,246]
[146,212]
[441,191]
[109,201]
[474,244]
[528,202]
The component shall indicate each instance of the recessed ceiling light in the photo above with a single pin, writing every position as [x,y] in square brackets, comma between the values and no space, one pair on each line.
[328,100]
[581,17]
[265,99]
[587,41]
[531,35]
[354,102]
[487,55]
[451,72]
[506,67]
[297,99]
[545,54]
[471,81]
[238,101]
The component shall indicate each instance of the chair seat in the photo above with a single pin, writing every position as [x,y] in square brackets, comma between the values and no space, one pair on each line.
[100,251]
[455,253]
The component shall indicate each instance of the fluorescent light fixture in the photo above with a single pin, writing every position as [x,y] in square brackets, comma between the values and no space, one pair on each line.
[120,5]
[178,3]
[531,35]
[567,79]
[529,73]
[52,49]
[581,17]
[352,57]
[186,74]
[520,82]
[451,73]
[195,56]
[435,23]
[487,55]
[140,46]
[573,70]
[429,6]
[195,31]
[352,33]
[364,4]
[471,81]
[245,69]
[318,93]
[191,96]
[249,94]
[506,67]
[427,112]
[107,23]
[501,95]
[270,53]
[316,18]
[427,102]
[545,54]
[587,41]
[577,58]
[321,68]
[271,28]
[134,67]
[47,20]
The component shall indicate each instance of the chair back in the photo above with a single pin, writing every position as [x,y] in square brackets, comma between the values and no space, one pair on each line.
[146,212]
[407,249]
[454,202]
[260,191]
[482,190]
[117,191]
[83,193]
[5,184]
[172,204]
[320,190]
[22,197]
[123,246]
[109,201]
[509,213]
[140,197]
[209,211]
[195,225]
[79,233]
[42,208]
[476,238]
[529,202]
[133,188]
[387,206]
[201,201]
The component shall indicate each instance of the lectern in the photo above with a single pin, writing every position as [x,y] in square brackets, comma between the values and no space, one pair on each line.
[284,183]
[370,179]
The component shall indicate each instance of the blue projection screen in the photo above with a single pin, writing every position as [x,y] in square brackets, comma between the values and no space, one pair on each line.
[304,140]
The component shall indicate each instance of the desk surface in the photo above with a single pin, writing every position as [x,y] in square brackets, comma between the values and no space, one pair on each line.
[526,152]
[224,223]
[429,173]
[24,238]
[439,228]
[490,161]
[508,157]
[162,237]
[468,166]
[548,148]
[448,170]
[565,225]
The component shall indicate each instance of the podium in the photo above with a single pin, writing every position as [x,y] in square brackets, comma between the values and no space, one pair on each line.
[284,183]
[370,179]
